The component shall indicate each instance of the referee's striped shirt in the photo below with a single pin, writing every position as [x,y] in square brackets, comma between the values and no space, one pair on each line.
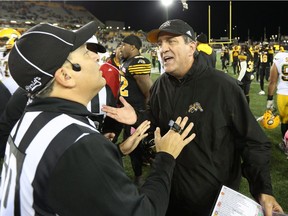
[34,146]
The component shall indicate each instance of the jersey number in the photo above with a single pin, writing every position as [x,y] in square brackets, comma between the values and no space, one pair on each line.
[123,86]
[284,70]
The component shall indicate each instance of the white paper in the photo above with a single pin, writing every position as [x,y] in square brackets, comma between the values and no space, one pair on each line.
[233,203]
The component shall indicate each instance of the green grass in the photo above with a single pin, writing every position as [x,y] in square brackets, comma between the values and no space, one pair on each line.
[279,163]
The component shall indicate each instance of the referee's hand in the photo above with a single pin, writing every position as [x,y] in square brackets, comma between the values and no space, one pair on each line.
[132,142]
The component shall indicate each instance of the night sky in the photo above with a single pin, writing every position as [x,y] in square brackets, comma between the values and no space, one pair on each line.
[249,17]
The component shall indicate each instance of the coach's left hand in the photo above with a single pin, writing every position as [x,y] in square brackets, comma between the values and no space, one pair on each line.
[269,204]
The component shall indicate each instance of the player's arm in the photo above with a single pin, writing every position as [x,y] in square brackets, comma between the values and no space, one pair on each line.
[243,66]
[272,86]
[272,80]
[144,82]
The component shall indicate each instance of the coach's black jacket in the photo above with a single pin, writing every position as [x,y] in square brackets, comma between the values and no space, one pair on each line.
[226,132]
[79,171]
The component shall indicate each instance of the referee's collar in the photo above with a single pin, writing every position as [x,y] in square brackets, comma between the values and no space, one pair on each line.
[59,105]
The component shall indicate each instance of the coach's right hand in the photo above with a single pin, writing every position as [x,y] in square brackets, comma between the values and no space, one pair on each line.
[173,142]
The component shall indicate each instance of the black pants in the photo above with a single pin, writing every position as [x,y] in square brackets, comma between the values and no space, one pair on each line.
[235,67]
[264,72]
[246,88]
[256,69]
[224,64]
[153,62]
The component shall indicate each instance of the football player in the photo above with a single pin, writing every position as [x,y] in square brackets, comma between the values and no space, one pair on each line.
[256,61]
[110,71]
[8,35]
[265,63]
[135,83]
[206,52]
[235,59]
[7,84]
[246,69]
[224,58]
[279,80]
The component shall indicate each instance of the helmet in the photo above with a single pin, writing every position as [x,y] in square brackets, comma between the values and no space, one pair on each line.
[269,120]
[148,147]
[11,35]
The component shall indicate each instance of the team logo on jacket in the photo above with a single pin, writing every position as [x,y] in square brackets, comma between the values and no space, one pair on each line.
[141,61]
[195,107]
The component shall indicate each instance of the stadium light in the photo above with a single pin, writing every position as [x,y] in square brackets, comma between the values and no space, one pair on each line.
[166,3]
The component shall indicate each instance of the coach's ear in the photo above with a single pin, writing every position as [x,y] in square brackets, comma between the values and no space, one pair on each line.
[193,48]
[196,53]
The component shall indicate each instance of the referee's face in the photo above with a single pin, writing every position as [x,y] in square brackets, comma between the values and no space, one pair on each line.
[88,80]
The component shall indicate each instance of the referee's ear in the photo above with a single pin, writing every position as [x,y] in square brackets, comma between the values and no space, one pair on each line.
[64,78]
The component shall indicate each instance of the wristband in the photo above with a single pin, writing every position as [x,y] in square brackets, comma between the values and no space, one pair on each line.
[270,97]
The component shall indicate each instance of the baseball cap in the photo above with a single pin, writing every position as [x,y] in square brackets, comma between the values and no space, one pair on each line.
[175,26]
[202,38]
[42,50]
[94,46]
[133,40]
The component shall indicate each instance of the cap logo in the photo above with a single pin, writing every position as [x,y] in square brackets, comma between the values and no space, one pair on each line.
[189,33]
[36,82]
[167,23]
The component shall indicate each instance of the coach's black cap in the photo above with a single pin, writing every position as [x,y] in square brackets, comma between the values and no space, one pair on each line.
[42,50]
[133,40]
[176,26]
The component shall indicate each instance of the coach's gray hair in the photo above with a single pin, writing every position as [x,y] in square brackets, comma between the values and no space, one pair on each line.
[187,39]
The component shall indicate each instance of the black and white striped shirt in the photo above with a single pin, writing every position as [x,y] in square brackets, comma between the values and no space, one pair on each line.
[35,145]
[57,163]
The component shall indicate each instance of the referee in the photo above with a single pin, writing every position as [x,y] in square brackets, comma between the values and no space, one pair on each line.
[56,162]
